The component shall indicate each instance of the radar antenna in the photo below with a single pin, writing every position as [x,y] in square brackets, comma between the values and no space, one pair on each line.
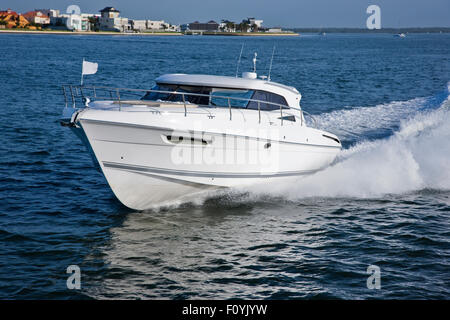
[271,61]
[239,60]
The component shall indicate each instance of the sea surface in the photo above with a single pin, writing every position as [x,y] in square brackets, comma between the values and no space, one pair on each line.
[385,201]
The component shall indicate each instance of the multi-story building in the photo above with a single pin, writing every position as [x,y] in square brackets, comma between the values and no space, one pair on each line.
[209,26]
[156,24]
[253,21]
[138,25]
[49,12]
[75,22]
[110,20]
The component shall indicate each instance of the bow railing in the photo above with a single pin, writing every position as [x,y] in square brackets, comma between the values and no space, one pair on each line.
[76,95]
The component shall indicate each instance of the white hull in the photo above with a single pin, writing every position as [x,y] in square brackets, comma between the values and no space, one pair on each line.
[146,163]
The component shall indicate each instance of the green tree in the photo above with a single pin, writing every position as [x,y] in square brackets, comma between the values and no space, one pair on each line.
[243,26]
[93,24]
[230,25]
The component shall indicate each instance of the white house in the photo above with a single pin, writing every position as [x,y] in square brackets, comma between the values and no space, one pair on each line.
[76,22]
[49,12]
[139,25]
[161,25]
[253,21]
[73,22]
[37,17]
[153,25]
[275,30]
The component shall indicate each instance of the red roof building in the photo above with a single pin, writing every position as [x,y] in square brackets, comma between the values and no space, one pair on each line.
[8,12]
[37,17]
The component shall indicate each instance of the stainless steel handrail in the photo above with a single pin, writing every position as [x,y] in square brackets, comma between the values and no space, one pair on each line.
[188,94]
[116,91]
[312,117]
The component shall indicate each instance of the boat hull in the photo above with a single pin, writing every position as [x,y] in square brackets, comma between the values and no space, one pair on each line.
[147,163]
[141,190]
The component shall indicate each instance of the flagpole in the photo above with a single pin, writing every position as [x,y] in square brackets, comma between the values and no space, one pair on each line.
[82,72]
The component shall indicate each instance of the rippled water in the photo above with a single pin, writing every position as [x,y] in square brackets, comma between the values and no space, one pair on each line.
[385,202]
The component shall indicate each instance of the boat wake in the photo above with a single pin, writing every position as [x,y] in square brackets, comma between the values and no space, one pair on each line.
[415,157]
[353,123]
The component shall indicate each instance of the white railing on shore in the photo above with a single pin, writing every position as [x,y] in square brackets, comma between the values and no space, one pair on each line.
[81,93]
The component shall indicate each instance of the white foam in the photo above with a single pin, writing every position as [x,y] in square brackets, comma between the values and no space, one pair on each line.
[414,158]
[354,122]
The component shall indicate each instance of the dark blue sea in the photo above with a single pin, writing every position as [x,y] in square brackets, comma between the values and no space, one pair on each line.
[384,202]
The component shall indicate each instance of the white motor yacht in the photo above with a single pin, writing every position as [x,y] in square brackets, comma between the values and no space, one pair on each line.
[192,133]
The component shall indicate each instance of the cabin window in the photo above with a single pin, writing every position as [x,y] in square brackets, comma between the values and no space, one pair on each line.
[219,97]
[174,97]
[201,100]
[269,97]
[160,96]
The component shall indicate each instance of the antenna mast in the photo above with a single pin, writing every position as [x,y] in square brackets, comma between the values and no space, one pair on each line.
[254,62]
[271,61]
[239,60]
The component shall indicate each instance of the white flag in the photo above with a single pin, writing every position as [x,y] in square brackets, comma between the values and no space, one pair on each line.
[89,67]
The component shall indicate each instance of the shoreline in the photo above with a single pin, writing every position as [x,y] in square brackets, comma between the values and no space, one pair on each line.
[109,33]
[244,34]
[90,33]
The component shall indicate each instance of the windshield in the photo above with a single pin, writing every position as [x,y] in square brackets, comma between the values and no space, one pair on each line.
[176,95]
[160,96]
[217,97]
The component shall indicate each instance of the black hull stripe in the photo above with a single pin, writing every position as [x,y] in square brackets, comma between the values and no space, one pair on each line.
[145,169]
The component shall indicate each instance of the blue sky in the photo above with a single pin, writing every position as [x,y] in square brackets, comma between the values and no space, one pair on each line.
[287,13]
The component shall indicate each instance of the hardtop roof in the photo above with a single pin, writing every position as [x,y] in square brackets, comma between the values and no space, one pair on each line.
[225,82]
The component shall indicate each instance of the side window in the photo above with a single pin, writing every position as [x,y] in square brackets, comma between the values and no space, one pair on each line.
[219,97]
[269,97]
[275,98]
[258,95]
[200,100]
